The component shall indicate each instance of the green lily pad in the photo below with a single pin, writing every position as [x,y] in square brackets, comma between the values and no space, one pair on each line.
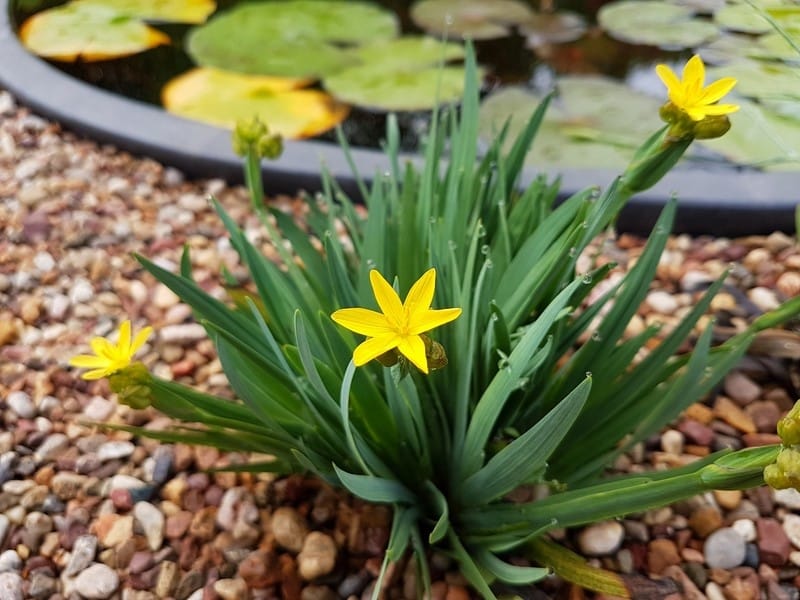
[553,28]
[742,18]
[222,98]
[760,138]
[91,32]
[655,23]
[408,52]
[729,47]
[170,11]
[369,86]
[469,19]
[761,80]
[775,46]
[298,38]
[593,123]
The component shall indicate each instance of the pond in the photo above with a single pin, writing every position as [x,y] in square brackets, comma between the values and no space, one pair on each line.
[598,55]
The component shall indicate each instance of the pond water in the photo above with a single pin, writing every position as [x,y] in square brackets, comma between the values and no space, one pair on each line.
[509,62]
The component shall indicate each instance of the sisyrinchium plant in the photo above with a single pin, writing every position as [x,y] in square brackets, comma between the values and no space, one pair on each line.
[445,402]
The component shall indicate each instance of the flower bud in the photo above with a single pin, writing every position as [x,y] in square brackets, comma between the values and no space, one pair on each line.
[712,127]
[130,385]
[269,146]
[789,427]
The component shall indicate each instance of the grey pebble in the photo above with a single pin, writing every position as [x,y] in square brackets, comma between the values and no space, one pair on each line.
[152,522]
[52,446]
[725,549]
[20,402]
[10,561]
[182,334]
[115,449]
[42,586]
[83,551]
[97,582]
[10,586]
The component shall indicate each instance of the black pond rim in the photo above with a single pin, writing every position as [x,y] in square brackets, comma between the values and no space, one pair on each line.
[721,203]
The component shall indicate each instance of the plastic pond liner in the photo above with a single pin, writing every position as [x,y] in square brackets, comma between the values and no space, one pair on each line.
[717,201]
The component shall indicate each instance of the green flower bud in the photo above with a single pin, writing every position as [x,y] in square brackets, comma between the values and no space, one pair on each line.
[130,385]
[246,134]
[269,146]
[434,352]
[712,127]
[789,427]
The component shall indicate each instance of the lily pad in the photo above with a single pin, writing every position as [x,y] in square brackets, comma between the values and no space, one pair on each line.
[760,138]
[742,18]
[409,51]
[222,98]
[371,87]
[298,38]
[169,11]
[729,47]
[553,28]
[761,80]
[469,19]
[593,123]
[655,23]
[88,31]
[775,46]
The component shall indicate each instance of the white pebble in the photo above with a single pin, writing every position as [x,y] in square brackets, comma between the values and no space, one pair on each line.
[662,302]
[20,402]
[43,261]
[791,526]
[81,291]
[182,334]
[115,449]
[790,498]
[601,539]
[745,528]
[97,582]
[152,522]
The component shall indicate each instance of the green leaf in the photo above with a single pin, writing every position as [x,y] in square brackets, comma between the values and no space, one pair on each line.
[375,489]
[470,19]
[655,23]
[508,573]
[522,458]
[296,38]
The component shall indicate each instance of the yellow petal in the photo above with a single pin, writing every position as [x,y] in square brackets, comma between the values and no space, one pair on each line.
[694,73]
[364,321]
[668,77]
[88,361]
[430,319]
[696,113]
[387,298]
[96,374]
[373,348]
[717,90]
[140,339]
[413,348]
[124,340]
[720,109]
[420,295]
[102,347]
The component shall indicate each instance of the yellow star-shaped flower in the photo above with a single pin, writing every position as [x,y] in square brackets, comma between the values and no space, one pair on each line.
[109,358]
[399,325]
[689,95]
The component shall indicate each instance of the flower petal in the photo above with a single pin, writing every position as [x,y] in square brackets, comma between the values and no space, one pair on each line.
[373,348]
[102,347]
[387,298]
[430,319]
[717,90]
[668,77]
[413,348]
[364,321]
[140,339]
[96,374]
[420,295]
[694,74]
[124,339]
[720,109]
[88,361]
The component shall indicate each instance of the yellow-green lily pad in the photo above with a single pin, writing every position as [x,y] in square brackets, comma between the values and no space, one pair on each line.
[760,138]
[655,23]
[223,98]
[298,38]
[761,80]
[169,11]
[469,19]
[593,123]
[742,18]
[87,31]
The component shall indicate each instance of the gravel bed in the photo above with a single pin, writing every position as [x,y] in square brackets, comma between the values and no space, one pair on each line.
[90,513]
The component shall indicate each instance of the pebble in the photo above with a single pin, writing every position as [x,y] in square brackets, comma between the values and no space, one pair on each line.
[318,556]
[99,409]
[11,586]
[745,528]
[773,543]
[52,447]
[231,589]
[10,561]
[21,403]
[168,579]
[790,498]
[601,539]
[81,291]
[740,388]
[182,334]
[705,520]
[97,582]
[662,302]
[289,528]
[83,553]
[724,549]
[672,442]
[67,485]
[662,553]
[152,522]
[115,449]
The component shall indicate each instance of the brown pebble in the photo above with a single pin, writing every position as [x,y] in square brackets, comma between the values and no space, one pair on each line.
[705,520]
[260,569]
[773,544]
[728,411]
[728,499]
[662,553]
[203,525]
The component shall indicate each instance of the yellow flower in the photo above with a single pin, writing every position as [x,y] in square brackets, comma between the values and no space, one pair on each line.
[689,95]
[398,325]
[109,358]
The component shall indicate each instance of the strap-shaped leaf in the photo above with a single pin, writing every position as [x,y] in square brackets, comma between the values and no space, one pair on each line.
[508,573]
[527,455]
[375,489]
